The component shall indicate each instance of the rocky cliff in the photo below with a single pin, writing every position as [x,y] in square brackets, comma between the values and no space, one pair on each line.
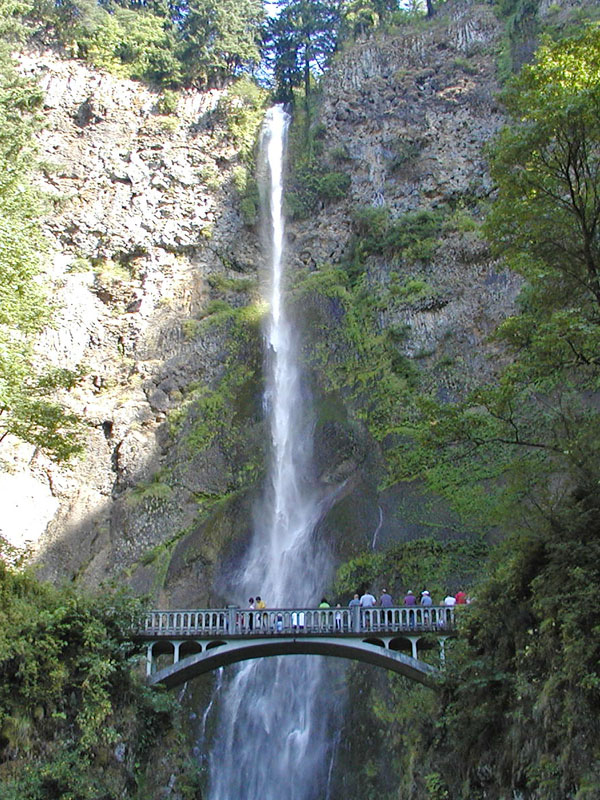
[143,217]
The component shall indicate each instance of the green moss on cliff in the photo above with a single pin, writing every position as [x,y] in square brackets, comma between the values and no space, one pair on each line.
[225,413]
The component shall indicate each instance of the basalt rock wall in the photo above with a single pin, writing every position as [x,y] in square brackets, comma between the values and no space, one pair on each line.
[144,214]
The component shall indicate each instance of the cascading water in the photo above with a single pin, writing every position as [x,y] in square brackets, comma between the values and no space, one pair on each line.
[272,739]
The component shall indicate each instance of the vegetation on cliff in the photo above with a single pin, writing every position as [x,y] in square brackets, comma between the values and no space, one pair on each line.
[27,383]
[515,713]
[518,454]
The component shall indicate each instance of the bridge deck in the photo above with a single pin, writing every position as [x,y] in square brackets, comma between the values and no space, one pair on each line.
[235,622]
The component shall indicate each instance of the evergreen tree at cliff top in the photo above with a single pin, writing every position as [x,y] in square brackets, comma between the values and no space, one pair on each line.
[299,41]
[219,39]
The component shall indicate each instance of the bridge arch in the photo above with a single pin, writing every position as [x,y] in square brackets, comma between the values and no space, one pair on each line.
[220,654]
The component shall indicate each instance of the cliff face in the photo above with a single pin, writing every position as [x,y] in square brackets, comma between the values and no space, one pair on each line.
[407,116]
[414,112]
[144,216]
[147,233]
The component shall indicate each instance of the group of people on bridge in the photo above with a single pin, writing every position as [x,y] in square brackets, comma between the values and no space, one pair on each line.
[367,600]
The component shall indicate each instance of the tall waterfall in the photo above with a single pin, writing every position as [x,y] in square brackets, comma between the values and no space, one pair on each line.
[272,738]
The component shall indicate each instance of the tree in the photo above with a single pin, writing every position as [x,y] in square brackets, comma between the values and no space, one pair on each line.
[299,42]
[220,38]
[499,449]
[547,168]
[26,410]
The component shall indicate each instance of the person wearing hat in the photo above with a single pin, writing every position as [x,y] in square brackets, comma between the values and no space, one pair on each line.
[385,599]
[426,601]
[410,599]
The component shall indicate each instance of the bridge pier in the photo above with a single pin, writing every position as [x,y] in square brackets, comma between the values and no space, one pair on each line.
[150,659]
[443,650]
[413,643]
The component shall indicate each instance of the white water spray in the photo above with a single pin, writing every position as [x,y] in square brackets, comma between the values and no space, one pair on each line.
[274,716]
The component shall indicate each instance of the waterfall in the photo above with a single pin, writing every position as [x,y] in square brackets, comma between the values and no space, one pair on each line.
[275,713]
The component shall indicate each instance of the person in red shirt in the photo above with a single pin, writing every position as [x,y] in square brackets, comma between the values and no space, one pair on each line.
[461,598]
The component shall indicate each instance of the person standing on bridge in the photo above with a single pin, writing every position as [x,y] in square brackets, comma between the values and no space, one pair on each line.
[260,605]
[338,618]
[367,601]
[461,598]
[251,606]
[426,601]
[385,601]
[355,617]
[410,599]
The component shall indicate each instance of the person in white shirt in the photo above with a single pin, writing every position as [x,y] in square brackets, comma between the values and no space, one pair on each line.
[450,600]
[367,600]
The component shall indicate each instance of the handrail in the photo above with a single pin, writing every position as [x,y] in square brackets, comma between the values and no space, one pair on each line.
[234,621]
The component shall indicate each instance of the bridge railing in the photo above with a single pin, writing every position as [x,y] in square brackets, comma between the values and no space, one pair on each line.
[235,621]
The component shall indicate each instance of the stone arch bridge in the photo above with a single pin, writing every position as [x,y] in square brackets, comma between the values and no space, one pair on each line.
[183,644]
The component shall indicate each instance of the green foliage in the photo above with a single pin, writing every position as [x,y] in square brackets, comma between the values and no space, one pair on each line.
[495,453]
[242,111]
[68,692]
[412,237]
[132,42]
[528,676]
[358,18]
[25,408]
[168,102]
[547,169]
[300,39]
[156,490]
[219,40]
[201,42]
[225,414]
[311,186]
[522,681]
[358,358]
[422,563]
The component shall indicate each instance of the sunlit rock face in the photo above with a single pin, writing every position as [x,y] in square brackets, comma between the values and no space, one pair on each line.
[412,113]
[148,219]
[407,116]
[144,215]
